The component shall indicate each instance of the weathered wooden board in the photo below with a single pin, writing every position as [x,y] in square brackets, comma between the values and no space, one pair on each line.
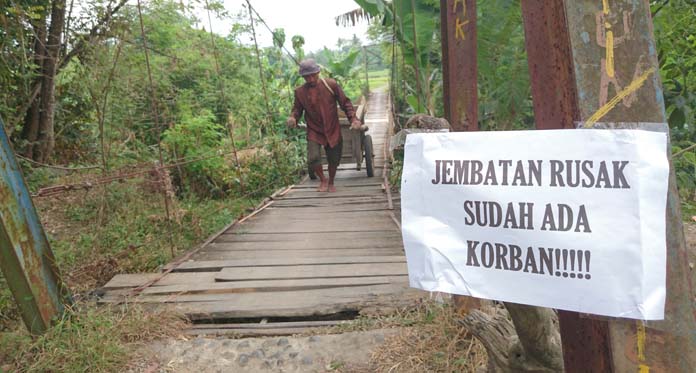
[369,190]
[312,271]
[301,303]
[340,195]
[328,202]
[138,279]
[275,285]
[379,206]
[262,299]
[306,244]
[345,183]
[311,214]
[283,261]
[304,227]
[388,235]
[265,253]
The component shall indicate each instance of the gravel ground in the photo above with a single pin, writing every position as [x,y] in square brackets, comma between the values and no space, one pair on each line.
[347,352]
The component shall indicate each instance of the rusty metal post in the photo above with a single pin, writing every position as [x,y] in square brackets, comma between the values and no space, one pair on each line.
[26,259]
[617,78]
[550,64]
[459,69]
[610,50]
[459,77]
[586,344]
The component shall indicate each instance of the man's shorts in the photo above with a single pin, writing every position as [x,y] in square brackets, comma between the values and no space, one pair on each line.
[333,155]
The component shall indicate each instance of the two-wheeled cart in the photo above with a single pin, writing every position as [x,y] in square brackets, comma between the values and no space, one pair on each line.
[357,144]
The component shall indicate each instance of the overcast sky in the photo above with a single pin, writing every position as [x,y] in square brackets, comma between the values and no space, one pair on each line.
[313,19]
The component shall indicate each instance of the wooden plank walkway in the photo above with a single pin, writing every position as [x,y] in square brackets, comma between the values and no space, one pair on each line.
[307,256]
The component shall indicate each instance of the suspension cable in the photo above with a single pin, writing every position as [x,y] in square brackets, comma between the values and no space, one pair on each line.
[221,85]
[155,112]
[251,9]
[258,61]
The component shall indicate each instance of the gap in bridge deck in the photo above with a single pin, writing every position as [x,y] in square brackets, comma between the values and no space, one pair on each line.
[338,316]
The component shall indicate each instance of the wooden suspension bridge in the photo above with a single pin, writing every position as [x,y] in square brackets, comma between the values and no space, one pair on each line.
[303,259]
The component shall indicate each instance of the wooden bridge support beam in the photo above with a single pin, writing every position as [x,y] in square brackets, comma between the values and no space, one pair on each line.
[581,55]
[26,260]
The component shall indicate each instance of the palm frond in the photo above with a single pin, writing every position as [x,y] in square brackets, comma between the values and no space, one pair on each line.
[353,17]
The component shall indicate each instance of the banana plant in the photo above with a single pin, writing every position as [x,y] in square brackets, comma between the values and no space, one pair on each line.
[417,31]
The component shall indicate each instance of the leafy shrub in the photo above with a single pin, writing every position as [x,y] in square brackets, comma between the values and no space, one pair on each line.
[200,137]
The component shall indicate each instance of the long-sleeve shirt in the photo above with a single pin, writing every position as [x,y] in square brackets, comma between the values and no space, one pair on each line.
[319,108]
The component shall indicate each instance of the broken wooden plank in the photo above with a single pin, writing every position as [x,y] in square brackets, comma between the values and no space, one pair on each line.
[312,271]
[302,303]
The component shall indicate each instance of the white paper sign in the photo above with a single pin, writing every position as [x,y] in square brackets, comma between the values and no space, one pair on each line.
[573,220]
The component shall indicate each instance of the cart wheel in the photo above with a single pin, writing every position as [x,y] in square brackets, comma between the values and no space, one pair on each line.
[311,173]
[367,144]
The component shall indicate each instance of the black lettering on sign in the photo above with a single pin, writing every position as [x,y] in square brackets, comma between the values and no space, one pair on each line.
[492,214]
[573,264]
[563,219]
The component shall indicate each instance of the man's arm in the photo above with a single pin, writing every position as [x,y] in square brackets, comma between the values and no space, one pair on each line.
[296,113]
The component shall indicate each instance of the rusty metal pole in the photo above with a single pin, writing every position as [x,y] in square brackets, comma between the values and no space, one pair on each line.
[586,343]
[617,78]
[593,61]
[459,77]
[26,259]
[459,69]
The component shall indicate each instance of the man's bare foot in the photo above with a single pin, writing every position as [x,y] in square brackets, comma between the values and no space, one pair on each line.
[332,188]
[323,187]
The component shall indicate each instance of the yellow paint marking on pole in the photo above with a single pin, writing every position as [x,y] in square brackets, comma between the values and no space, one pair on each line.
[459,29]
[634,86]
[610,53]
[640,342]
[456,2]
[605,6]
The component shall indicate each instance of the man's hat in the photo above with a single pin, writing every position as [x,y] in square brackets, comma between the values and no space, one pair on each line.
[309,67]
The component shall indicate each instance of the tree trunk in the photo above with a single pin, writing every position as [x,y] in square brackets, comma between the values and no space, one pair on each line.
[30,130]
[46,139]
[529,343]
